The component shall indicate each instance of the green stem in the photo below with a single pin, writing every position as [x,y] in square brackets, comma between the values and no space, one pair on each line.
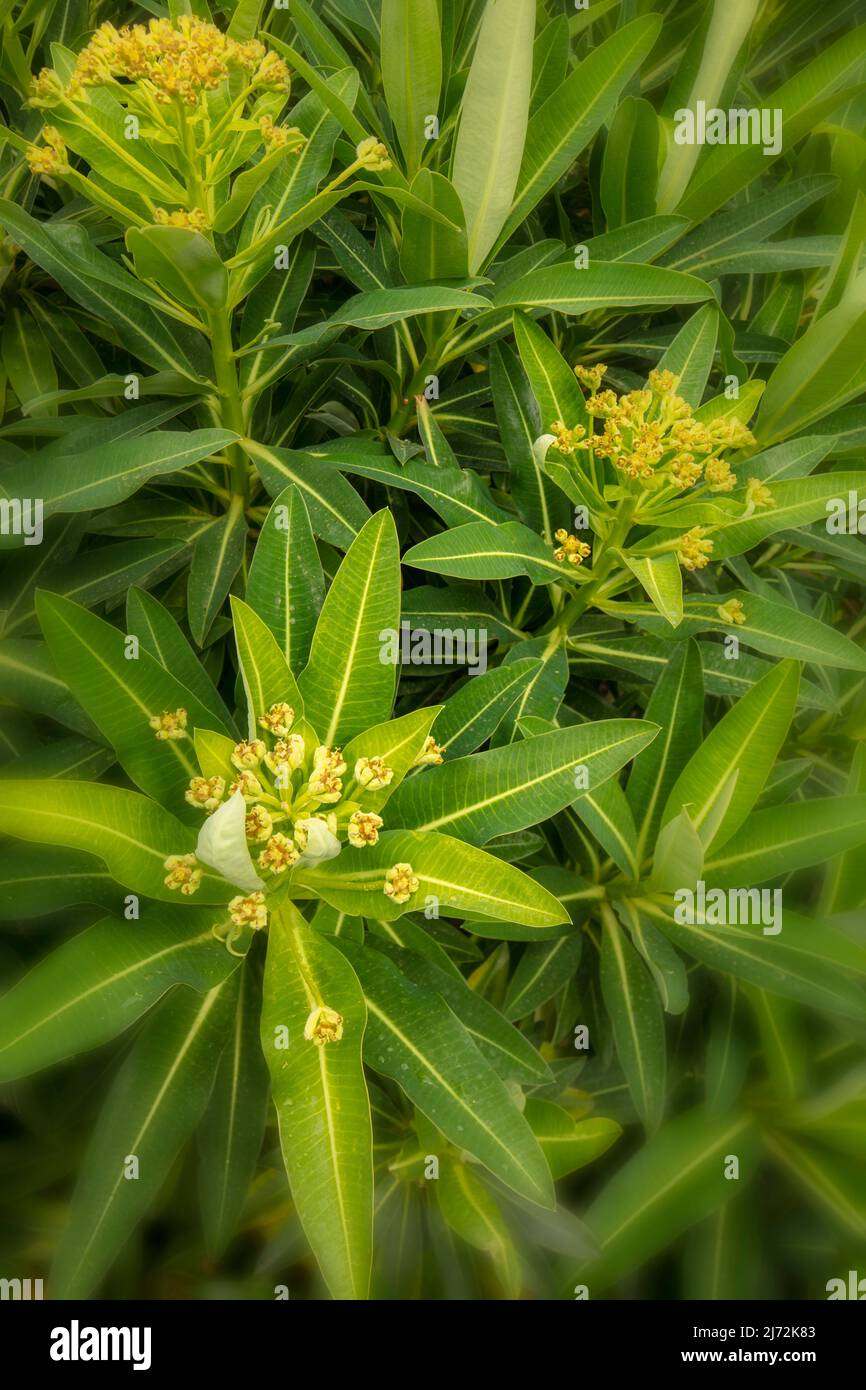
[231,407]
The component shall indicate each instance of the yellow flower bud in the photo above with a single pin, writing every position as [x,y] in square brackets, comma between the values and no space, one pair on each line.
[400,883]
[324,1025]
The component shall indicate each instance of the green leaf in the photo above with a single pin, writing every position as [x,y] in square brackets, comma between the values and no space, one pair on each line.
[746,741]
[93,987]
[574,112]
[628,171]
[398,742]
[539,503]
[780,839]
[266,674]
[469,717]
[181,261]
[218,555]
[154,1105]
[676,705]
[519,785]
[336,511]
[346,685]
[670,1184]
[413,1037]
[286,586]
[570,290]
[494,112]
[541,972]
[160,635]
[633,1004]
[429,250]
[690,355]
[131,834]
[470,1211]
[321,1099]
[661,578]
[411,71]
[568,1144]
[481,551]
[451,874]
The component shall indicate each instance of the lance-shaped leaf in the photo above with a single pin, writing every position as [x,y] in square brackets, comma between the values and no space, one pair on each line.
[129,832]
[453,874]
[469,717]
[570,290]
[468,1208]
[411,70]
[122,695]
[320,1095]
[155,1103]
[635,1010]
[217,556]
[286,586]
[542,970]
[568,1144]
[34,883]
[160,635]
[91,988]
[336,511]
[346,685]
[181,261]
[494,114]
[398,742]
[662,579]
[481,551]
[676,705]
[230,1135]
[780,839]
[413,1037]
[266,674]
[519,418]
[520,784]
[745,741]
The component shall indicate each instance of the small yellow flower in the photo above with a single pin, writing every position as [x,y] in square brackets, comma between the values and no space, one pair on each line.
[248,785]
[273,73]
[400,883]
[373,773]
[364,827]
[288,752]
[571,548]
[258,824]
[732,612]
[719,477]
[51,157]
[205,793]
[662,383]
[182,873]
[169,725]
[590,377]
[567,440]
[278,720]
[249,911]
[248,754]
[693,552]
[373,155]
[324,1025]
[430,755]
[328,767]
[192,219]
[602,403]
[758,494]
[279,854]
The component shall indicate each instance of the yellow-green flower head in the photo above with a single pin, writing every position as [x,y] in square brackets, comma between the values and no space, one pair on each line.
[567,440]
[192,219]
[205,793]
[278,720]
[181,58]
[51,157]
[400,883]
[363,829]
[430,755]
[732,612]
[571,548]
[328,767]
[591,377]
[373,773]
[247,754]
[272,73]
[603,403]
[279,854]
[758,494]
[183,873]
[287,752]
[693,552]
[248,785]
[250,911]
[719,477]
[662,383]
[169,725]
[373,155]
[258,824]
[47,89]
[324,1025]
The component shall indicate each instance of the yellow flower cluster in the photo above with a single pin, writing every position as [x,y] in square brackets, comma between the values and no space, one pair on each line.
[732,612]
[693,551]
[298,796]
[571,548]
[177,59]
[192,219]
[652,435]
[49,158]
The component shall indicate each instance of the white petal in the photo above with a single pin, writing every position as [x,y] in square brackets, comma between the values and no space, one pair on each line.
[222,845]
[321,844]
